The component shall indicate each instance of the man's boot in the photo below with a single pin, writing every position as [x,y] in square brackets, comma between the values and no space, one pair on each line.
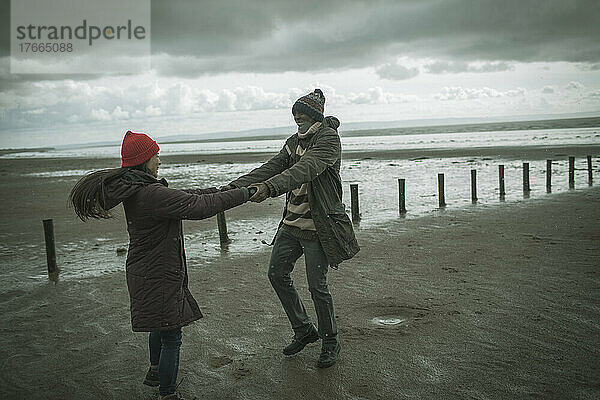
[301,340]
[329,355]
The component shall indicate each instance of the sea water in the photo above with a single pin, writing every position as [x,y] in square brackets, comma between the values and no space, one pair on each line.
[450,140]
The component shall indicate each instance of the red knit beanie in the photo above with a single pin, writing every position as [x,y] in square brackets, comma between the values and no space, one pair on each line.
[137,148]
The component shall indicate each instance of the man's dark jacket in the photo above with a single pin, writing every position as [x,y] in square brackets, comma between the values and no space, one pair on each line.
[156,267]
[320,168]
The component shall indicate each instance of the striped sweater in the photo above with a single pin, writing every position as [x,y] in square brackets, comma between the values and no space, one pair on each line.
[298,219]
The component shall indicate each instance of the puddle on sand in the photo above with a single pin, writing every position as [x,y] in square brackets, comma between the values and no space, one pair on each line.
[388,321]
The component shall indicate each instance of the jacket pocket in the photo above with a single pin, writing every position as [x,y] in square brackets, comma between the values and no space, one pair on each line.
[342,232]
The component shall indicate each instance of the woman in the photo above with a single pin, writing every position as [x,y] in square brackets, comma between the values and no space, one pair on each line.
[156,266]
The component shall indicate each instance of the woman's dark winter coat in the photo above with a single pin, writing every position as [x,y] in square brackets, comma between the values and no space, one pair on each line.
[156,267]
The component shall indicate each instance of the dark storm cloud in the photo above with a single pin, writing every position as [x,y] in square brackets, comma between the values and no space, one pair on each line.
[271,36]
[14,81]
[4,27]
[396,72]
[454,67]
[191,38]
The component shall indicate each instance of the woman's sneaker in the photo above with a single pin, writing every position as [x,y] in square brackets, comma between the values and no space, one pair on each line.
[152,378]
[300,341]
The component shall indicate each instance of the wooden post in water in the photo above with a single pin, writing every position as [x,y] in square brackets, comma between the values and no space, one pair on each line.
[442,195]
[589,165]
[526,187]
[548,176]
[222,225]
[473,186]
[354,202]
[571,172]
[402,196]
[501,181]
[50,250]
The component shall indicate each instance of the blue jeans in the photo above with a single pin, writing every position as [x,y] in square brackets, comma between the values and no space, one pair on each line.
[286,251]
[164,352]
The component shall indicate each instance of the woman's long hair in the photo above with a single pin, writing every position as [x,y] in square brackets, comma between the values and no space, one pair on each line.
[87,196]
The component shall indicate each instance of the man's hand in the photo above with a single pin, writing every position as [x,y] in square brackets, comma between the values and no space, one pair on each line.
[262,192]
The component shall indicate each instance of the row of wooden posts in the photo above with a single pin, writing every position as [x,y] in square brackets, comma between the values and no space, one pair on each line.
[354,205]
[441,192]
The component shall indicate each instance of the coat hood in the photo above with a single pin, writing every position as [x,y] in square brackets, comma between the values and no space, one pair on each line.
[125,185]
[332,122]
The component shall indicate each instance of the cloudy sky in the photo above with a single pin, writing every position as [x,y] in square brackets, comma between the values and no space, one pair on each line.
[237,65]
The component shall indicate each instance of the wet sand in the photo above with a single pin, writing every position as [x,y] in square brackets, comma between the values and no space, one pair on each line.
[497,302]
[28,200]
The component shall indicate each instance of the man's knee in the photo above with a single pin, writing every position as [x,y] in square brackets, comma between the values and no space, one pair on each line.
[274,273]
[279,276]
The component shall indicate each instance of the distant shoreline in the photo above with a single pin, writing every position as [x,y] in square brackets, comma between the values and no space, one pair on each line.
[588,122]
[561,123]
[36,149]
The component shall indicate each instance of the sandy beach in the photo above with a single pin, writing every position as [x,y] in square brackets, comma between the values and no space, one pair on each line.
[493,302]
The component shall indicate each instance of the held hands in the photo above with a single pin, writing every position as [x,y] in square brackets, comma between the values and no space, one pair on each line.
[262,192]
[258,191]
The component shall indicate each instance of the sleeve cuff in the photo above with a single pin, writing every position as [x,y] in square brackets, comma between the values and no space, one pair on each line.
[271,187]
[246,193]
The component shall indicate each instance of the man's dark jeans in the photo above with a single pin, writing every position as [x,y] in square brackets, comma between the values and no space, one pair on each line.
[286,251]
[164,352]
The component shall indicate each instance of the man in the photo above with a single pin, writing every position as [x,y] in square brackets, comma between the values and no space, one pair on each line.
[307,170]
